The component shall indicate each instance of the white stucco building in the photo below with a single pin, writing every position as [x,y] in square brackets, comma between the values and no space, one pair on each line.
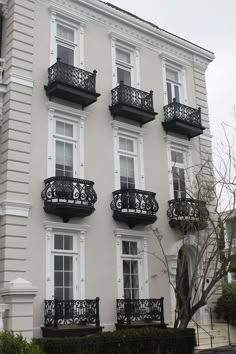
[69,126]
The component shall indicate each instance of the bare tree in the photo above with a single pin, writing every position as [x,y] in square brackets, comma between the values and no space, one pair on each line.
[205,213]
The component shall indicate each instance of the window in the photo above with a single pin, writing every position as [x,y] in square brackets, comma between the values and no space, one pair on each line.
[124,66]
[173,85]
[178,174]
[65,141]
[132,265]
[67,40]
[65,261]
[128,157]
[130,269]
[179,160]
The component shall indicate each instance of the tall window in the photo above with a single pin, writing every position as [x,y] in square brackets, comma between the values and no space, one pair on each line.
[65,44]
[178,174]
[64,262]
[124,66]
[173,85]
[128,161]
[65,145]
[130,263]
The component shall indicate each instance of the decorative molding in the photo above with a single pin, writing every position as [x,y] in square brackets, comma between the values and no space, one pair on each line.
[130,128]
[66,110]
[173,59]
[132,233]
[63,12]
[18,79]
[8,207]
[61,226]
[116,36]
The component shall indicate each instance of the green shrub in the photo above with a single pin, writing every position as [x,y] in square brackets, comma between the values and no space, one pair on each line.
[226,304]
[11,343]
[130,341]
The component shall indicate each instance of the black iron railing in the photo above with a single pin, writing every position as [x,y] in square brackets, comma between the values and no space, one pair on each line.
[71,312]
[70,75]
[142,310]
[69,189]
[134,200]
[187,210]
[133,97]
[178,111]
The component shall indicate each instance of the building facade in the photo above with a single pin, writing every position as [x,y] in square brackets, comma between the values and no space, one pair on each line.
[89,157]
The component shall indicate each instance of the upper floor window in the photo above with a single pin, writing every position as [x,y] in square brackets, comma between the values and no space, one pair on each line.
[128,162]
[131,269]
[173,85]
[124,66]
[178,174]
[66,41]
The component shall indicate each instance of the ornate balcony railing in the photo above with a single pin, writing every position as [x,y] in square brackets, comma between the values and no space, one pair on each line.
[188,214]
[140,310]
[72,83]
[67,197]
[71,312]
[182,119]
[134,206]
[132,103]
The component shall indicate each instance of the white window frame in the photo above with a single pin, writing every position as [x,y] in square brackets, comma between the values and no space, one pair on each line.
[167,63]
[184,147]
[79,233]
[134,67]
[72,116]
[142,239]
[136,134]
[78,44]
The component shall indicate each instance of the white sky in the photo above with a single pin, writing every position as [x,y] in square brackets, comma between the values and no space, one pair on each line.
[210,24]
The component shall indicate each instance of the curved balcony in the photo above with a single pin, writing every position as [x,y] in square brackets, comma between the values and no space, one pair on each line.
[188,214]
[134,206]
[68,197]
[132,103]
[70,83]
[182,119]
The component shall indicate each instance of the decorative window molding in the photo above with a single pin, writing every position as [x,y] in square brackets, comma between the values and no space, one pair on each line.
[179,70]
[78,232]
[135,135]
[133,66]
[141,239]
[75,44]
[185,148]
[75,118]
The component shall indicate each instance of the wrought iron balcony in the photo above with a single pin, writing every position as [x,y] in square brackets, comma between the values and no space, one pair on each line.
[188,214]
[182,119]
[71,317]
[140,310]
[134,206]
[68,197]
[132,103]
[71,83]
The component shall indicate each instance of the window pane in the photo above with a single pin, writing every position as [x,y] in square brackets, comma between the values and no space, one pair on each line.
[58,242]
[60,153]
[135,281]
[68,263]
[58,293]
[123,55]
[125,247]
[127,293]
[68,293]
[135,294]
[126,144]
[58,262]
[64,129]
[172,75]
[58,278]
[69,130]
[65,54]
[169,93]
[68,243]
[65,33]
[68,278]
[127,281]
[60,127]
[177,156]
[69,157]
[126,267]
[133,248]
[177,93]
[123,75]
[134,267]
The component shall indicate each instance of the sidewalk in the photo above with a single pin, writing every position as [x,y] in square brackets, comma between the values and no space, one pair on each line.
[221,350]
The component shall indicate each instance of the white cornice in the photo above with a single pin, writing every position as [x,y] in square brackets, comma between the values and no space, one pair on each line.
[65,226]
[124,38]
[61,11]
[128,127]
[13,208]
[66,109]
[131,233]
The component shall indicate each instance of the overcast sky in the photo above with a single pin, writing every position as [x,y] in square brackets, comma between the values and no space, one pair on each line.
[210,24]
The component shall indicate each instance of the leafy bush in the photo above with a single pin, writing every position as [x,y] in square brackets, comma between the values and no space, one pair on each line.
[130,341]
[11,343]
[226,304]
